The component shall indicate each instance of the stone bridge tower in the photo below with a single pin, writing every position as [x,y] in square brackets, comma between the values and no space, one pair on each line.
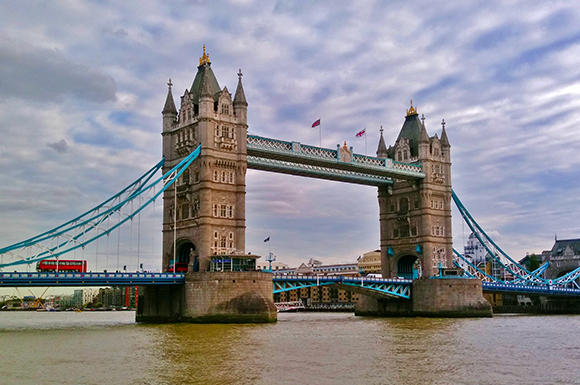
[415,217]
[208,217]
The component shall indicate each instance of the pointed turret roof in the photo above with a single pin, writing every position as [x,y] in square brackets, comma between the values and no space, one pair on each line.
[423,136]
[382,151]
[206,86]
[411,130]
[213,86]
[444,139]
[240,98]
[169,103]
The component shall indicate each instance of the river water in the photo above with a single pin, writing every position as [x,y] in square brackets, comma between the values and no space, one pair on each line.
[302,348]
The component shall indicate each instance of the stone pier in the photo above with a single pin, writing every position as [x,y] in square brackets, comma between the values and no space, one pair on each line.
[210,297]
[449,297]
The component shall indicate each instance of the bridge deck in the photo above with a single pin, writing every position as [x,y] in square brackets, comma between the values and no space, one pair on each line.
[90,279]
[399,288]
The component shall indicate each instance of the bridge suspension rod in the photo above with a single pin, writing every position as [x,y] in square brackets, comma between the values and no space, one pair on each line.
[76,231]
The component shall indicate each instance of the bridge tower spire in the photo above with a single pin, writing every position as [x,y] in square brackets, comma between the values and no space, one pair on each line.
[208,216]
[415,216]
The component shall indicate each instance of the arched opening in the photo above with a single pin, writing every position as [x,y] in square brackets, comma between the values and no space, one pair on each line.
[409,267]
[185,254]
[563,272]
[403,206]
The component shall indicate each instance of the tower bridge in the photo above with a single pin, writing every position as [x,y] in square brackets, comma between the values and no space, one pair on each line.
[207,152]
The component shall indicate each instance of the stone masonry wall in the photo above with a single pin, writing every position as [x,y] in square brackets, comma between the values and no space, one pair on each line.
[221,297]
[452,297]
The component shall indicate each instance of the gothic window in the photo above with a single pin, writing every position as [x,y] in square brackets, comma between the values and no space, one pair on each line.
[188,114]
[223,242]
[217,130]
[231,177]
[405,155]
[185,211]
[216,234]
[215,210]
[223,211]
[231,235]
[216,176]
[225,132]
[225,109]
[404,231]
[230,211]
[223,177]
[399,156]
[403,206]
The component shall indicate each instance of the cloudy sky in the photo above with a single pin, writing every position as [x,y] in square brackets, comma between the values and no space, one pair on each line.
[82,86]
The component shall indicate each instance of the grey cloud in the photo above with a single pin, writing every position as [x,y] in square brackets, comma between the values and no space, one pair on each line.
[120,32]
[40,74]
[61,146]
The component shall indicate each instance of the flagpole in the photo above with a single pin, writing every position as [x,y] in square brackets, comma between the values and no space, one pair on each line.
[320,135]
[365,141]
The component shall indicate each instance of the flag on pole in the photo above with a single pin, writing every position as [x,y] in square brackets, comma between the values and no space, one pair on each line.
[316,124]
[267,239]
[361,133]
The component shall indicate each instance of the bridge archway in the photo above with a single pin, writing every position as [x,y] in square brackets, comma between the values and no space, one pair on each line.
[408,266]
[187,253]
[562,272]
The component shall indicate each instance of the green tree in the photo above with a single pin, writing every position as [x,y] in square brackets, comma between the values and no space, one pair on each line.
[534,262]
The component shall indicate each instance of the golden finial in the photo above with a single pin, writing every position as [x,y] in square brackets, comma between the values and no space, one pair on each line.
[205,58]
[412,110]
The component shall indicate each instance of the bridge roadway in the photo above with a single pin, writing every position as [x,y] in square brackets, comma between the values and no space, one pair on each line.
[21,279]
[377,287]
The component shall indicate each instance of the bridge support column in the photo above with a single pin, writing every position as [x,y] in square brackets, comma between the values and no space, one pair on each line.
[211,297]
[448,298]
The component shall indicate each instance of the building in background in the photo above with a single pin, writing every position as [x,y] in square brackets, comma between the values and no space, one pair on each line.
[474,250]
[370,263]
[117,297]
[327,297]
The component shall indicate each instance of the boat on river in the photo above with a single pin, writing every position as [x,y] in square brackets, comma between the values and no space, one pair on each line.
[289,306]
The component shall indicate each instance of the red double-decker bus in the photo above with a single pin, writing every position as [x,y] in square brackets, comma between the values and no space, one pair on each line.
[63,266]
[180,267]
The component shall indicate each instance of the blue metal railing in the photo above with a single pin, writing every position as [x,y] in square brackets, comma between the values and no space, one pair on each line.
[17,279]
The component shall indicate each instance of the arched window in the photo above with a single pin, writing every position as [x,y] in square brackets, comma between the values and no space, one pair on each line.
[403,206]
